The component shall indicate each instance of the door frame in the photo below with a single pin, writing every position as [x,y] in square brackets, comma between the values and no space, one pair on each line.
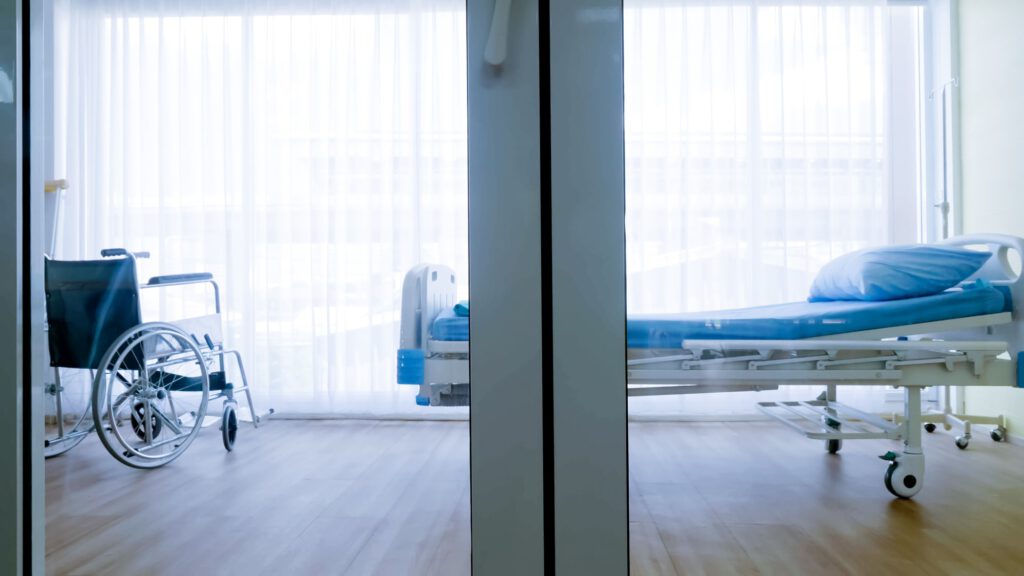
[548,453]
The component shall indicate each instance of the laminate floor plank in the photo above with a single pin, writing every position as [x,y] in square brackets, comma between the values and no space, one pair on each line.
[647,553]
[703,549]
[452,555]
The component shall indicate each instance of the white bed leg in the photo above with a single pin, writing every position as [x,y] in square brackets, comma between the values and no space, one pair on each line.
[912,417]
[832,445]
[905,475]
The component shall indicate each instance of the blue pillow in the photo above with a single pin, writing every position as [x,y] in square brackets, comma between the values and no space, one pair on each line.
[462,309]
[895,272]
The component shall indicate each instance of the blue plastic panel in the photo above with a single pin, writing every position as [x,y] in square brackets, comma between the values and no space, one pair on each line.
[1020,369]
[410,366]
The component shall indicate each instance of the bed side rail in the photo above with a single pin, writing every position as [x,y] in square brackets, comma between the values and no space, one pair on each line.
[999,271]
[998,268]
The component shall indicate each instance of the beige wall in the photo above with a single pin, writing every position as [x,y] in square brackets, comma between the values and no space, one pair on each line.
[992,145]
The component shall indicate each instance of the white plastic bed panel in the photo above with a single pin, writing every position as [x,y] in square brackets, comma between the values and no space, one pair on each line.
[428,290]
[446,371]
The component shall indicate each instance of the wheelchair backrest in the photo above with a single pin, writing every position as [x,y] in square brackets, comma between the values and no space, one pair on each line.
[89,303]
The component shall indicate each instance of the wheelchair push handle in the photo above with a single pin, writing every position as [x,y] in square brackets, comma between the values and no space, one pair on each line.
[109,252]
[168,279]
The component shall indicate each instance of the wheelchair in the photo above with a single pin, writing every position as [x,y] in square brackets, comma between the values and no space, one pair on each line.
[152,382]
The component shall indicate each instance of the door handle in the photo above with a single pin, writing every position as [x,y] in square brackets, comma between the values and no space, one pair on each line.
[497,39]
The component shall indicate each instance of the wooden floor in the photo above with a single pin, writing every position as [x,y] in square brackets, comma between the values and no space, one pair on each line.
[755,498]
[295,497]
[364,497]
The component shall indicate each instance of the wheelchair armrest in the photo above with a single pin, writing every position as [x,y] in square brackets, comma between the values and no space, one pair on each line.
[180,278]
[108,252]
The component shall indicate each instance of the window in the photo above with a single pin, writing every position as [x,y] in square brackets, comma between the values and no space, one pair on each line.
[762,140]
[307,158]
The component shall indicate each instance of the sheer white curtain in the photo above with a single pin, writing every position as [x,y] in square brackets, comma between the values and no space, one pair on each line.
[309,153]
[758,146]
[306,153]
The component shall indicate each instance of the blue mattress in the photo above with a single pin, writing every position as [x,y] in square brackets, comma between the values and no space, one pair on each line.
[792,321]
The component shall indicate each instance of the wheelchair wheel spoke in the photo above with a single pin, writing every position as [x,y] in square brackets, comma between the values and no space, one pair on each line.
[163,418]
[127,382]
[137,361]
[120,400]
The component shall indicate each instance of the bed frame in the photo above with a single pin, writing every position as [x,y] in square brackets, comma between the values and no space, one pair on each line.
[975,351]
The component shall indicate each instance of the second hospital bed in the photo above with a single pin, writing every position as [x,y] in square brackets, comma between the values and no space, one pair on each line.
[968,336]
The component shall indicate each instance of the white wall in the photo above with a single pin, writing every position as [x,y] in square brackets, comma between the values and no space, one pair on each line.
[992,145]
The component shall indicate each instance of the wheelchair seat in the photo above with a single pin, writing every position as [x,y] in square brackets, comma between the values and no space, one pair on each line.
[183,383]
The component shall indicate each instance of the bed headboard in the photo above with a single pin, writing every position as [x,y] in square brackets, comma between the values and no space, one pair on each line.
[428,290]
[999,271]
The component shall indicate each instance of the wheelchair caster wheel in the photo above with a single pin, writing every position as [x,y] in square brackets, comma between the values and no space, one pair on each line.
[962,442]
[833,445]
[929,427]
[998,434]
[139,421]
[229,427]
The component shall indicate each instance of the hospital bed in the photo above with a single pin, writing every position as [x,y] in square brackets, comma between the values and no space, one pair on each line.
[968,336]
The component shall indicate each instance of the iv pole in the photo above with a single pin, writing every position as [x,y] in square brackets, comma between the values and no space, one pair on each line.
[943,207]
[948,418]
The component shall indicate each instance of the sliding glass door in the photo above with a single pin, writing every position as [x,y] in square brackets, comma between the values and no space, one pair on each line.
[313,155]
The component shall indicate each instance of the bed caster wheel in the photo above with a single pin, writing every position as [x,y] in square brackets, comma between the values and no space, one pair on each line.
[833,445]
[962,441]
[904,476]
[998,434]
[229,427]
[929,427]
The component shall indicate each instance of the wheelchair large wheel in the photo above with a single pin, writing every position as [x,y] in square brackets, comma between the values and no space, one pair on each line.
[67,415]
[150,397]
